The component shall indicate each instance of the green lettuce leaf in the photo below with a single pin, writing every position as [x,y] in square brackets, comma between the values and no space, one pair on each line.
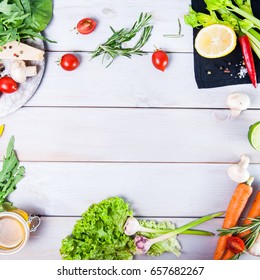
[99,234]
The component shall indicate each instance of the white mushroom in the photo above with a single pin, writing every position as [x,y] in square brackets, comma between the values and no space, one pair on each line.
[19,71]
[238,172]
[237,102]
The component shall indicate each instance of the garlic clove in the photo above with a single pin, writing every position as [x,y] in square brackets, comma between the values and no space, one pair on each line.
[255,249]
[237,102]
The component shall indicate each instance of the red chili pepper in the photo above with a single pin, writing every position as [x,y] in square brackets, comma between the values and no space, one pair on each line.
[235,244]
[248,58]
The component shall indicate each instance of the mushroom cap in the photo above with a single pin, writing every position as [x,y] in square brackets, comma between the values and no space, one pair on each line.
[238,101]
[238,174]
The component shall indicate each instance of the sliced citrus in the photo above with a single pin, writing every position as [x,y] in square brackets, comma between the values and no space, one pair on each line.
[215,41]
[2,127]
[254,136]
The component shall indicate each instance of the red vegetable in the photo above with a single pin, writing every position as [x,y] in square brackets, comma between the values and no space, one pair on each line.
[248,58]
[69,62]
[8,85]
[235,244]
[160,60]
[86,26]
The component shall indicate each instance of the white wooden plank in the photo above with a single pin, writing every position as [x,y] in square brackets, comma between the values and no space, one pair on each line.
[45,243]
[131,83]
[68,189]
[134,135]
[118,14]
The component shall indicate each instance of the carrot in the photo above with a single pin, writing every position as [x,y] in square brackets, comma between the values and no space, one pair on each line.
[253,213]
[236,206]
[227,255]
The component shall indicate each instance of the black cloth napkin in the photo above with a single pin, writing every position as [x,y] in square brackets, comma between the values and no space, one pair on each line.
[210,73]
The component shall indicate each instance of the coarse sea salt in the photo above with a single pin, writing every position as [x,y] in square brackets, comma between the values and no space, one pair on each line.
[242,72]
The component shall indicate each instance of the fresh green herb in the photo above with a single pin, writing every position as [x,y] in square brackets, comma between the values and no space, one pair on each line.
[10,175]
[236,14]
[114,46]
[23,19]
[250,238]
[179,35]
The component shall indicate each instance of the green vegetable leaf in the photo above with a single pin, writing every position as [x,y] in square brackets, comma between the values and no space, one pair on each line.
[8,9]
[170,245]
[23,19]
[41,14]
[11,173]
[99,234]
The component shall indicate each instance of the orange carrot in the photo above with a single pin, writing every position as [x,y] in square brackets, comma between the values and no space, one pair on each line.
[253,213]
[235,208]
[227,255]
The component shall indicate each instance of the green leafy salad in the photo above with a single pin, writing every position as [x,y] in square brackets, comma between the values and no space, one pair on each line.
[10,176]
[99,234]
[108,231]
[23,19]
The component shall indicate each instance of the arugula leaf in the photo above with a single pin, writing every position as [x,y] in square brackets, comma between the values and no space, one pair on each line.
[8,9]
[10,175]
[22,19]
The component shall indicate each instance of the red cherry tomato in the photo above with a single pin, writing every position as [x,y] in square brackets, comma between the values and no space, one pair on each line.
[235,244]
[86,26]
[160,60]
[8,85]
[69,62]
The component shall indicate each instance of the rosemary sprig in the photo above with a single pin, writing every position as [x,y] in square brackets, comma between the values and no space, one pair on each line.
[179,35]
[113,47]
[250,238]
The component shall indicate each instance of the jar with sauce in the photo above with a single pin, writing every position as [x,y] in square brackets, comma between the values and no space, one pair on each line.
[15,228]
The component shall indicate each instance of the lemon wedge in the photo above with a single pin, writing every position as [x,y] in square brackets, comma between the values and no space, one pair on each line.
[2,127]
[216,40]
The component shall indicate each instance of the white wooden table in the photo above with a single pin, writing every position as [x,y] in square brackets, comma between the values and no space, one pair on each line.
[128,130]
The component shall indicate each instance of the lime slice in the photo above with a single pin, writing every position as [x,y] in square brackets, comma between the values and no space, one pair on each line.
[2,127]
[254,136]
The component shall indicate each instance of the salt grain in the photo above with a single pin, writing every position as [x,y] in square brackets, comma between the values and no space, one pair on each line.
[242,73]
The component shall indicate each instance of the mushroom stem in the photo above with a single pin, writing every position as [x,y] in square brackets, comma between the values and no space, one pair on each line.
[244,162]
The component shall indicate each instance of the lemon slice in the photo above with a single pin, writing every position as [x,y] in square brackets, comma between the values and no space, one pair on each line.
[2,127]
[215,41]
[254,136]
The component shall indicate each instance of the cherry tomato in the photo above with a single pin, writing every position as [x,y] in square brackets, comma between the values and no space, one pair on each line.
[160,60]
[69,62]
[235,244]
[86,26]
[8,85]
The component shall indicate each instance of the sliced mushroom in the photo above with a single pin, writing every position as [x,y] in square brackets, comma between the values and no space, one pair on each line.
[237,102]
[19,71]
